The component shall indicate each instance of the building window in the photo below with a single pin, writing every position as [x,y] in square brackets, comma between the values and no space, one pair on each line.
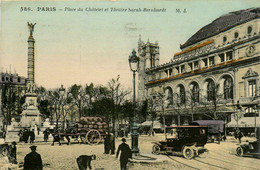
[3,78]
[6,78]
[177,69]
[252,88]
[169,96]
[229,55]
[228,88]
[195,93]
[19,79]
[211,61]
[224,39]
[236,35]
[152,61]
[249,30]
[182,69]
[182,94]
[11,79]
[211,90]
[196,65]
[205,62]
[222,57]
[191,68]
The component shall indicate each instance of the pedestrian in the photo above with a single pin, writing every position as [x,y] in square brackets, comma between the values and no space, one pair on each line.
[107,143]
[126,153]
[112,144]
[32,136]
[33,160]
[12,157]
[46,135]
[56,137]
[20,134]
[26,135]
[239,136]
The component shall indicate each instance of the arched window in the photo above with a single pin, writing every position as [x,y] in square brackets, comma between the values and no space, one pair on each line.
[228,88]
[249,29]
[195,93]
[169,97]
[182,94]
[210,90]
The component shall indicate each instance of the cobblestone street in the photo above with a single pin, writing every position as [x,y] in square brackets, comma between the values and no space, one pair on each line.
[219,156]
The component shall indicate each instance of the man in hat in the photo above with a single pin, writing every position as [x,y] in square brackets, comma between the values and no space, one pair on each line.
[13,159]
[33,160]
[125,154]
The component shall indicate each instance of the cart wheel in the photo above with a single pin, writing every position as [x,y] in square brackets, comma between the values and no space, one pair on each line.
[240,151]
[188,152]
[156,149]
[93,137]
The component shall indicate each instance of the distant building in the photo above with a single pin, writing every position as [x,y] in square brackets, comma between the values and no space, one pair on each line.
[10,81]
[217,70]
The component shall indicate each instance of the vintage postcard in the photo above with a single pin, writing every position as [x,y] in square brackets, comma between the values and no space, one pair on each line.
[120,84]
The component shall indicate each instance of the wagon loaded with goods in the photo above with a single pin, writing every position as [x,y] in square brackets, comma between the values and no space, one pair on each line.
[89,129]
[92,129]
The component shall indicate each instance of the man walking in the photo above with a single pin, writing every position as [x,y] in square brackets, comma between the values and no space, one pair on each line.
[33,160]
[125,154]
[32,136]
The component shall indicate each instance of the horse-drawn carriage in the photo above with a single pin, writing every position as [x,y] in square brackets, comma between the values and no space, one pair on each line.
[89,129]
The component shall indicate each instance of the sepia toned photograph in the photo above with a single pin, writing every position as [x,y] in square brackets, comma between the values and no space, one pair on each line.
[137,85]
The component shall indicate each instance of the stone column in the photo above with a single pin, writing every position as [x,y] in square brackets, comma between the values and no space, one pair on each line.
[31,67]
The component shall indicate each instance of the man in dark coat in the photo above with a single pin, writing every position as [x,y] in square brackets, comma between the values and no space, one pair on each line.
[112,144]
[125,154]
[33,160]
[32,136]
[13,159]
[46,135]
[26,135]
[107,143]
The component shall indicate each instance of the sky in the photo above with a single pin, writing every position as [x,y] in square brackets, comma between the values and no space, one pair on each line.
[80,47]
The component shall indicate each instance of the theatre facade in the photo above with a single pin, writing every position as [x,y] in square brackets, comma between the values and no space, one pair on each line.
[214,76]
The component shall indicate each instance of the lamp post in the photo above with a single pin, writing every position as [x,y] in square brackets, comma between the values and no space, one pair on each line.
[134,66]
[256,108]
[237,117]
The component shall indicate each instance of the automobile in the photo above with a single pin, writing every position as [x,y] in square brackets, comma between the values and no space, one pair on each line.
[250,148]
[188,140]
[215,128]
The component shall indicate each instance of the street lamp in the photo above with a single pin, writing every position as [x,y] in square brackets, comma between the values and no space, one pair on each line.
[256,108]
[237,117]
[134,66]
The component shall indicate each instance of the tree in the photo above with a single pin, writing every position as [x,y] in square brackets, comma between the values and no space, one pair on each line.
[12,101]
[213,98]
[78,98]
[193,100]
[152,109]
[177,106]
[118,95]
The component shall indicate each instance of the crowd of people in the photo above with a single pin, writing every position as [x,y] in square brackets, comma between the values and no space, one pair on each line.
[26,135]
[33,161]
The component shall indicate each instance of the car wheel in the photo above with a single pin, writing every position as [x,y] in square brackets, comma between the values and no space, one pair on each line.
[240,151]
[188,152]
[156,149]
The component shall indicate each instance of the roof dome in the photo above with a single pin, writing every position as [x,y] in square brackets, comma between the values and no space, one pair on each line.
[222,24]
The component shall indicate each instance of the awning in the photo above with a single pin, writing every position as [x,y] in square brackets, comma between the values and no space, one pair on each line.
[156,124]
[245,122]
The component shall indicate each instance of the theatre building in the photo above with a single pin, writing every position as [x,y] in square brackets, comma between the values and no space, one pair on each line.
[216,74]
